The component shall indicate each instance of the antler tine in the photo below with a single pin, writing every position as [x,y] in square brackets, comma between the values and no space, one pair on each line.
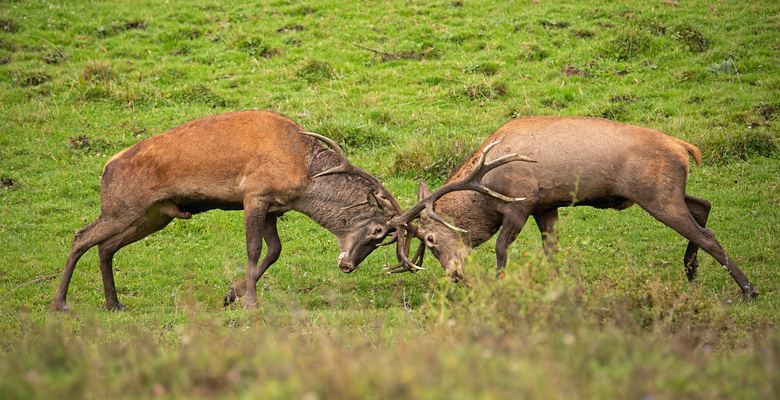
[471,182]
[393,239]
[344,165]
[437,218]
[404,264]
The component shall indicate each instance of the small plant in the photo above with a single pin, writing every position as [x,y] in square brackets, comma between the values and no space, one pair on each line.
[629,42]
[31,78]
[87,144]
[532,52]
[487,69]
[483,90]
[8,26]
[315,70]
[255,47]
[431,160]
[200,94]
[727,67]
[99,71]
[695,40]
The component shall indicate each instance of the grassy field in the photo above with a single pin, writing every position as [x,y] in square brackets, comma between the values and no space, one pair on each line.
[409,89]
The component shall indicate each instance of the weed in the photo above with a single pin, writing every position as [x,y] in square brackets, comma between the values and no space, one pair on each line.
[86,144]
[315,70]
[353,133]
[30,78]
[532,52]
[99,71]
[432,160]
[695,40]
[487,69]
[200,94]
[721,149]
[8,25]
[630,41]
[485,90]
[727,67]
[255,47]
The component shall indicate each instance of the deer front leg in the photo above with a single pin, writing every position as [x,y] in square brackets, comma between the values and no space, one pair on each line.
[511,228]
[274,249]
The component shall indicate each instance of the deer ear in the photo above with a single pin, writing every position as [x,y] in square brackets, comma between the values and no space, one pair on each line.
[373,202]
[423,190]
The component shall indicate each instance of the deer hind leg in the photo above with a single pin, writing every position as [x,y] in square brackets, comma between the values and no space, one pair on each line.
[675,214]
[274,244]
[700,210]
[84,239]
[152,221]
[254,221]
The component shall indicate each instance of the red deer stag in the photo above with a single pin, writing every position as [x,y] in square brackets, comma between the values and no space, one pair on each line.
[580,161]
[257,161]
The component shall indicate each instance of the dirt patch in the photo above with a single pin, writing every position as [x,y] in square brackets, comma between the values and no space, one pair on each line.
[290,28]
[402,54]
[9,183]
[582,34]
[569,71]
[554,25]
[625,98]
[768,111]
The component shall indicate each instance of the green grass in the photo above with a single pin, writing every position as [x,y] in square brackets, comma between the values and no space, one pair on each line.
[80,81]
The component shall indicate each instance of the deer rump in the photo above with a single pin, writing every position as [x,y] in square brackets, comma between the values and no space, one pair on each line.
[579,161]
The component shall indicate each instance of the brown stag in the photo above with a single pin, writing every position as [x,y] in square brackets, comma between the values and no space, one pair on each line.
[257,161]
[578,161]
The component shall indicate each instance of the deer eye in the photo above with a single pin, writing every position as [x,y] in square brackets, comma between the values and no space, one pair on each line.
[378,230]
[429,239]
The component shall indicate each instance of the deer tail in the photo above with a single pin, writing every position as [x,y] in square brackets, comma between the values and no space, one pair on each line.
[693,151]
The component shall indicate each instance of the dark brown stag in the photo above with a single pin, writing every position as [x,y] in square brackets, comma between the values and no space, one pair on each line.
[580,161]
[257,161]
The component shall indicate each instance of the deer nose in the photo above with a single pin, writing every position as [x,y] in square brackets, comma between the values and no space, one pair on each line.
[453,269]
[344,265]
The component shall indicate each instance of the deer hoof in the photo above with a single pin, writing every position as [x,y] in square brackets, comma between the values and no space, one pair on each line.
[230,297]
[117,307]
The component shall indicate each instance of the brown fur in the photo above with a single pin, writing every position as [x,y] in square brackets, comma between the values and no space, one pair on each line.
[256,161]
[580,161]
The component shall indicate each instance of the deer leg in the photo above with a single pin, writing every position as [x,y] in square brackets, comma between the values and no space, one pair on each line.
[84,239]
[152,222]
[675,214]
[509,231]
[700,210]
[274,244]
[254,219]
[546,222]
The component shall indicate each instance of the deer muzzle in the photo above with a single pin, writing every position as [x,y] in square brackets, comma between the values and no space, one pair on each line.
[345,265]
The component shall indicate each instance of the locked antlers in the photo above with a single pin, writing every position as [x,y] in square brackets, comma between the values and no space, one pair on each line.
[471,182]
